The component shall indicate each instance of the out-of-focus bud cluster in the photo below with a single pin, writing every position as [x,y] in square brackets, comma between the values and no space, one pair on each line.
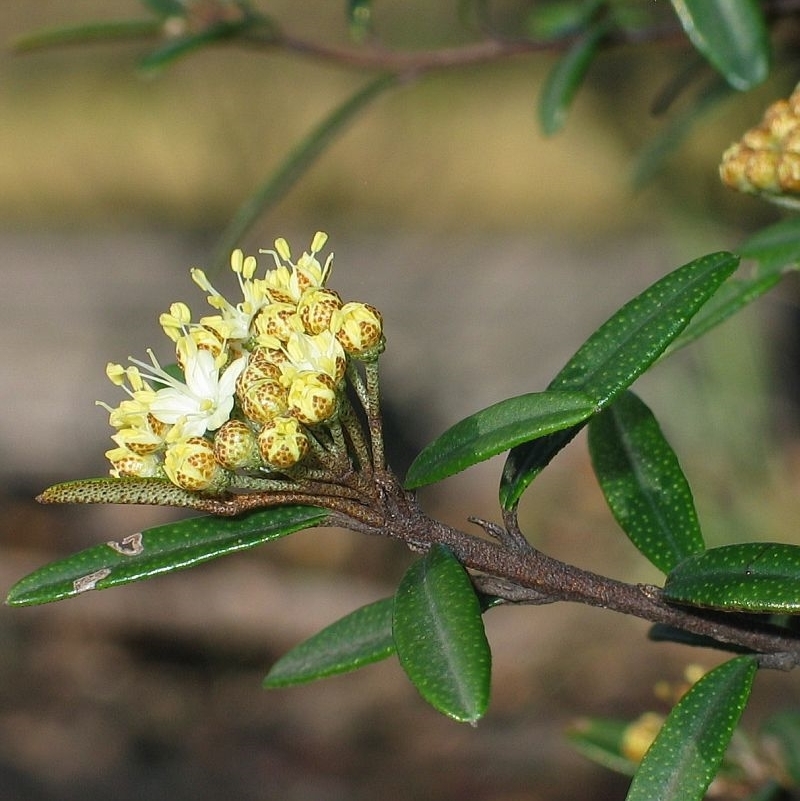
[250,381]
[766,160]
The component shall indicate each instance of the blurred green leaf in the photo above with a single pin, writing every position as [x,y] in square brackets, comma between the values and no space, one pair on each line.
[660,632]
[643,483]
[747,577]
[776,247]
[359,18]
[360,638]
[564,80]
[601,739]
[652,157]
[617,353]
[87,33]
[162,549]
[439,636]
[297,163]
[212,34]
[496,429]
[555,20]
[732,296]
[688,751]
[166,8]
[732,35]
[780,734]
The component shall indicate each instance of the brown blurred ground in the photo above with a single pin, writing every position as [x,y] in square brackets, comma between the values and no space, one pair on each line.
[491,259]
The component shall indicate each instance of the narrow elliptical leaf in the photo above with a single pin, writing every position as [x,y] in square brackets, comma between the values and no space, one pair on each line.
[732,35]
[496,429]
[617,353]
[643,483]
[564,80]
[360,638]
[439,636]
[776,247]
[160,550]
[747,577]
[686,754]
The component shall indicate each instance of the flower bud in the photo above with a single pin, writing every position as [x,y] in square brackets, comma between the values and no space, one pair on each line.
[312,398]
[235,446]
[278,320]
[190,464]
[263,400]
[316,308]
[127,464]
[282,443]
[359,327]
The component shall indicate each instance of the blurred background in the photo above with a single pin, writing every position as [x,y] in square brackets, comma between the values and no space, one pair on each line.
[492,253]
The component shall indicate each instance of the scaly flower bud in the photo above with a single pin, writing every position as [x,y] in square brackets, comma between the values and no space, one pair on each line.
[359,327]
[766,160]
[282,443]
[235,446]
[312,398]
[190,464]
[262,400]
[126,464]
[316,308]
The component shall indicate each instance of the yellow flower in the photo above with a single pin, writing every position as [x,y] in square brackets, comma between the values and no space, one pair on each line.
[287,282]
[126,464]
[320,353]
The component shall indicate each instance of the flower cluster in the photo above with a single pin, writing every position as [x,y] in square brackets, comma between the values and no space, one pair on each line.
[251,381]
[767,158]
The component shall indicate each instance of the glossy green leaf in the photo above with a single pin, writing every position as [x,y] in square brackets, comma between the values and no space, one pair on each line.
[780,735]
[297,163]
[775,247]
[360,638]
[748,577]
[732,35]
[162,549]
[643,483]
[601,740]
[87,33]
[439,636]
[687,753]
[564,80]
[617,353]
[496,429]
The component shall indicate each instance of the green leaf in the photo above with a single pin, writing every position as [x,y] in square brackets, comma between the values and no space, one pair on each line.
[359,18]
[496,429]
[166,8]
[297,163]
[617,353]
[548,21]
[661,632]
[732,35]
[776,247]
[214,33]
[360,638]
[439,636]
[687,752]
[87,33]
[781,737]
[652,157]
[601,739]
[748,577]
[732,296]
[643,483]
[162,549]
[564,80]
